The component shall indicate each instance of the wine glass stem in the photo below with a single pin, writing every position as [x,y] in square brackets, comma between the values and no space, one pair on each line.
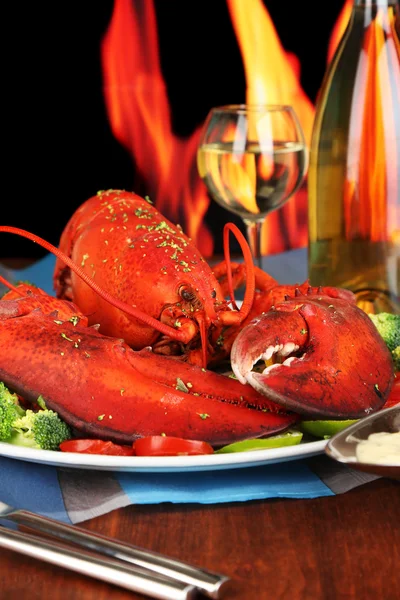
[254,238]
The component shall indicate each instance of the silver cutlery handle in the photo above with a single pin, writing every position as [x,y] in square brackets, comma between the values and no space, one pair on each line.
[211,584]
[123,575]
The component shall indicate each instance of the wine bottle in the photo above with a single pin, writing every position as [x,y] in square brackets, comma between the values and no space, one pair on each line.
[354,172]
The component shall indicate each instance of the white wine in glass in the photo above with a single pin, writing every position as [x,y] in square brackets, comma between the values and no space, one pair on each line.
[252,158]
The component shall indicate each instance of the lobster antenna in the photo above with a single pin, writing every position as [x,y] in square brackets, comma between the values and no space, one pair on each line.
[176,334]
[203,337]
[250,272]
[11,286]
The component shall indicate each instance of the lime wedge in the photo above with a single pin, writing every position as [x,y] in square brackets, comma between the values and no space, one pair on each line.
[324,429]
[289,438]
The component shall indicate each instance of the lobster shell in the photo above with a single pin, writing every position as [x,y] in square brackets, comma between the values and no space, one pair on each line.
[130,250]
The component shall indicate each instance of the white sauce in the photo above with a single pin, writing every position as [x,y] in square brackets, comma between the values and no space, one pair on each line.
[380,449]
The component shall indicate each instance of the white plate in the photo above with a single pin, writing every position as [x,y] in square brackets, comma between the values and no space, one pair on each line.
[208,462]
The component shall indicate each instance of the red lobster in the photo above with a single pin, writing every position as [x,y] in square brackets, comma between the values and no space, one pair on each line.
[140,283]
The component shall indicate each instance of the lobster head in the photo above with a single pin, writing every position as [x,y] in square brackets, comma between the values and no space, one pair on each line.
[140,277]
[328,359]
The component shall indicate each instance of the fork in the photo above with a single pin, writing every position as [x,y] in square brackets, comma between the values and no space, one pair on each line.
[175,579]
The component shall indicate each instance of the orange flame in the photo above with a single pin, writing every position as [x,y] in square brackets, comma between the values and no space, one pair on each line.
[368,197]
[272,77]
[139,115]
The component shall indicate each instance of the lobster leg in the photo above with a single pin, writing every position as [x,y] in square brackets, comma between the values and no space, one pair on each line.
[24,298]
[263,281]
[94,384]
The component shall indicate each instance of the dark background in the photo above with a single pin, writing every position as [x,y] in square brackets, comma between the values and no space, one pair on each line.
[57,146]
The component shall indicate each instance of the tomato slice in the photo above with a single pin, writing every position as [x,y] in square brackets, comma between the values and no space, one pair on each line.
[394,396]
[163,445]
[87,446]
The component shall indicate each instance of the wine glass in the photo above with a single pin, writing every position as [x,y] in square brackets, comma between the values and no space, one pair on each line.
[252,158]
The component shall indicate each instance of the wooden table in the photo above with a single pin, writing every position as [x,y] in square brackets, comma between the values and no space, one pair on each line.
[330,548]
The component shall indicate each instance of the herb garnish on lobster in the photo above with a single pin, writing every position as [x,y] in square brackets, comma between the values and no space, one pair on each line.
[123,350]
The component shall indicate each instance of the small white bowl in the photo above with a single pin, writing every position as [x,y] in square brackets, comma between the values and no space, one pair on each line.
[342,446]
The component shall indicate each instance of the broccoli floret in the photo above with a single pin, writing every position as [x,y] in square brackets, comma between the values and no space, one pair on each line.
[388,325]
[25,282]
[396,358]
[43,429]
[36,429]
[10,410]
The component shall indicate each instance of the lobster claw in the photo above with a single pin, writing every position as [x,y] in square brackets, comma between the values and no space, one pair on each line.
[335,363]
